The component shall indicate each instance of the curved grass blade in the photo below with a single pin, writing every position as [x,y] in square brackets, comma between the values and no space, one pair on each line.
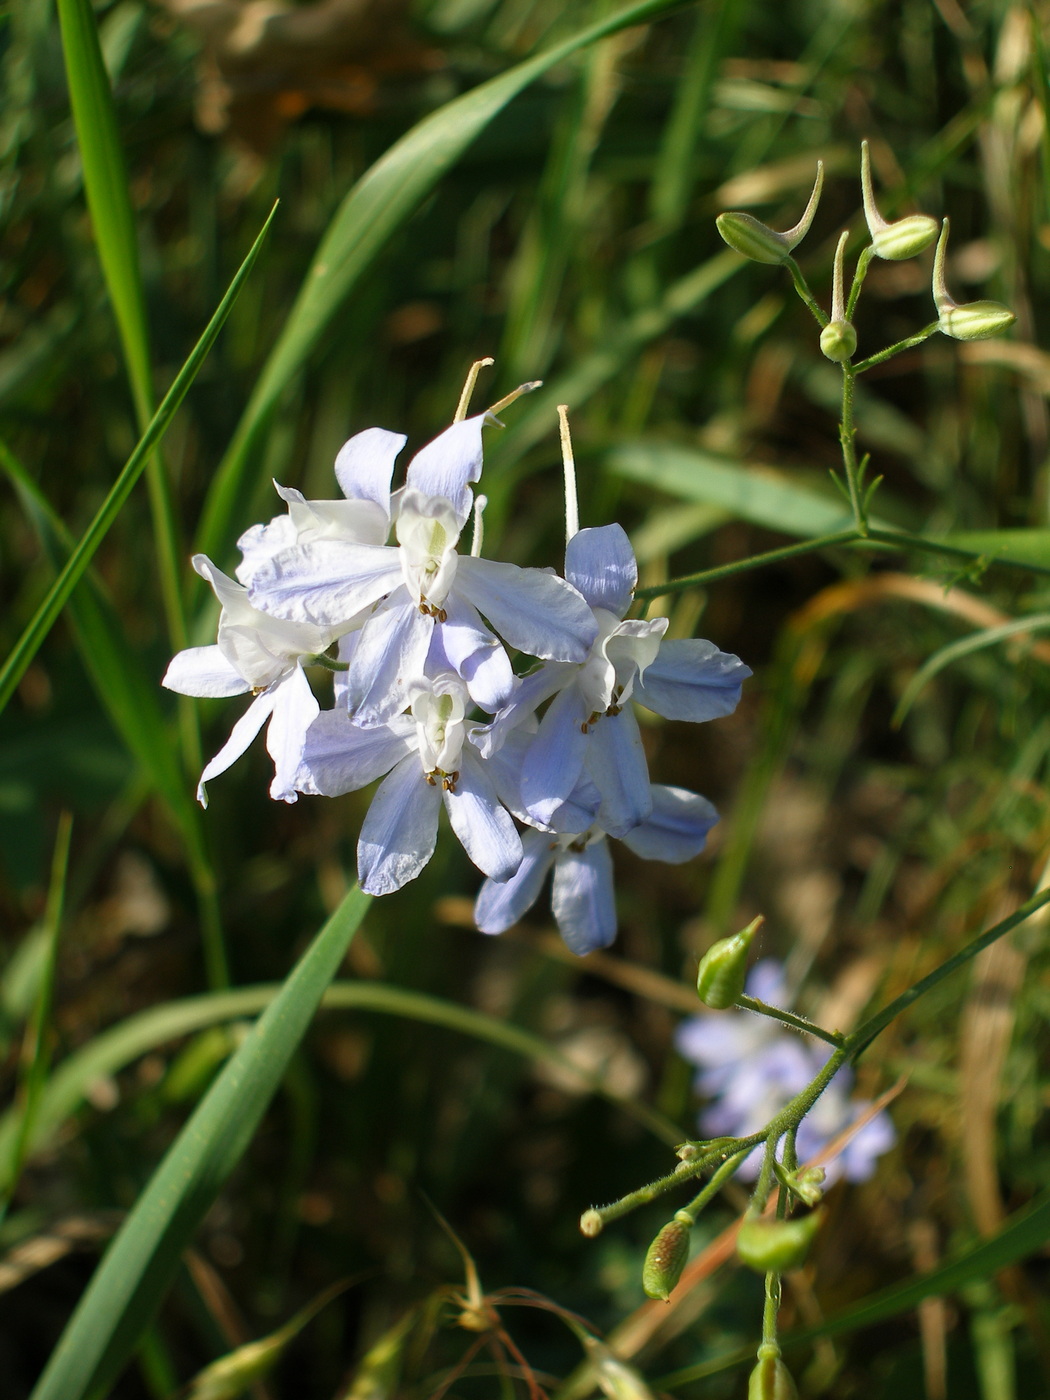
[29,643]
[109,201]
[131,1280]
[375,208]
[965,646]
[112,1051]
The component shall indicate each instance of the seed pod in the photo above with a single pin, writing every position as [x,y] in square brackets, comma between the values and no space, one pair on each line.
[758,241]
[975,320]
[904,238]
[771,1379]
[723,968]
[665,1260]
[775,1246]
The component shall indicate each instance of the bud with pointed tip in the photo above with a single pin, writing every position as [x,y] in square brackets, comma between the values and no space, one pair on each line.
[775,1246]
[904,238]
[838,339]
[665,1260]
[758,241]
[723,968]
[808,1184]
[771,1379]
[975,320]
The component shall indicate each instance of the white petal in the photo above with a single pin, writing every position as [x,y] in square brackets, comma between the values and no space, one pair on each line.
[339,757]
[502,903]
[554,762]
[475,654]
[486,832]
[389,657]
[365,465]
[241,735]
[616,764]
[532,609]
[446,465]
[582,899]
[676,829]
[295,709]
[400,831]
[326,583]
[204,671]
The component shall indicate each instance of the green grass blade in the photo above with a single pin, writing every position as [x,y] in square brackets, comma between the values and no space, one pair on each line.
[131,1280]
[375,208]
[29,643]
[109,201]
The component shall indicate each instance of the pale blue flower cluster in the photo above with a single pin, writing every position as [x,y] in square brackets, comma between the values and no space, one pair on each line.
[751,1067]
[427,698]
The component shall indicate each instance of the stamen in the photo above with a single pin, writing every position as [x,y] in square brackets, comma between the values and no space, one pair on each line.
[514,395]
[480,502]
[468,387]
[572,505]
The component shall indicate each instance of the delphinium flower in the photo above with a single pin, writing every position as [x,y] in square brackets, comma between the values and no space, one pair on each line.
[751,1067]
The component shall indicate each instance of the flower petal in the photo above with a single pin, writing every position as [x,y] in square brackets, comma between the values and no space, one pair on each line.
[326,582]
[554,761]
[486,832]
[692,680]
[676,829]
[600,563]
[390,655]
[339,757]
[446,465]
[530,692]
[616,765]
[364,465]
[582,899]
[295,708]
[532,609]
[241,735]
[400,831]
[204,671]
[502,903]
[477,656]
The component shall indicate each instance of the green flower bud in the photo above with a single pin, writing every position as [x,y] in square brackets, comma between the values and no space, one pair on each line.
[665,1260]
[723,968]
[591,1223]
[808,1184]
[771,1379]
[758,241]
[838,341]
[775,1246]
[904,238]
[974,320]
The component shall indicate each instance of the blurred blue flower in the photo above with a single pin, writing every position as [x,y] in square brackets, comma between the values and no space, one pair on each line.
[751,1066]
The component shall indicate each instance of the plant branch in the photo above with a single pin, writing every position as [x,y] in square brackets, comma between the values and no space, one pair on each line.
[790,1018]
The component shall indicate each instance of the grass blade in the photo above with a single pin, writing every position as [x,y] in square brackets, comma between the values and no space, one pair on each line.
[109,200]
[44,619]
[132,1278]
[375,208]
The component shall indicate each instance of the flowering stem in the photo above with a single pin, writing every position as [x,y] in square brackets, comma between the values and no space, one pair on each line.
[728,1168]
[802,287]
[800,1023]
[906,344]
[642,1197]
[769,1312]
[847,438]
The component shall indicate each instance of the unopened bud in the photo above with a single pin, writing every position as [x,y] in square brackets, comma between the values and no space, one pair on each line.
[723,968]
[838,339]
[591,1223]
[665,1260]
[771,1379]
[903,238]
[614,1377]
[808,1184]
[776,1246]
[975,320]
[758,241]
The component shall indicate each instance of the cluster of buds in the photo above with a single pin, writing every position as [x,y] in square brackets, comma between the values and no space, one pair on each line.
[902,238]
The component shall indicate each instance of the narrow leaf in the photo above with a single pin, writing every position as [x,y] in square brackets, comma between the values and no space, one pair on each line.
[44,619]
[130,1283]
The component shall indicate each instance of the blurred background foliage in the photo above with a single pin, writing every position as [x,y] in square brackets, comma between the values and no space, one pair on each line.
[574,242]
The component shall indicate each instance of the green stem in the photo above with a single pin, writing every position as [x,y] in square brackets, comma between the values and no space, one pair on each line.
[800,1023]
[861,1038]
[663,1184]
[770,1308]
[848,440]
[721,1176]
[858,279]
[802,287]
[740,566]
[908,343]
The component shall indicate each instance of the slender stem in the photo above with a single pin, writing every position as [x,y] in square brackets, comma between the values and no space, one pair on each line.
[766,1175]
[645,1194]
[468,387]
[770,1308]
[800,1023]
[861,1038]
[721,1176]
[908,343]
[848,439]
[802,287]
[858,279]
[740,566]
